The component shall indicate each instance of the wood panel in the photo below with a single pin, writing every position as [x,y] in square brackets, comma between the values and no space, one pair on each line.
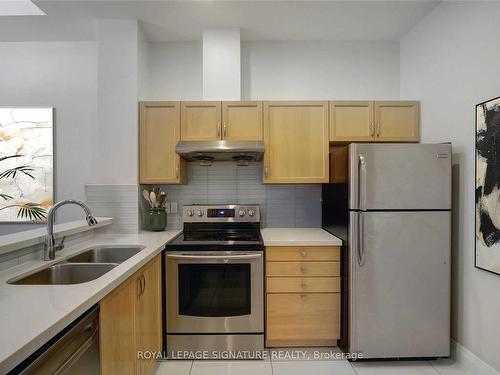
[117,331]
[159,132]
[302,253]
[296,141]
[339,165]
[303,318]
[242,121]
[351,121]
[397,121]
[303,284]
[303,268]
[148,314]
[201,121]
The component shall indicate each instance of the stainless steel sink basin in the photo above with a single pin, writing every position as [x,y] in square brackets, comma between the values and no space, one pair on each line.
[66,273]
[106,254]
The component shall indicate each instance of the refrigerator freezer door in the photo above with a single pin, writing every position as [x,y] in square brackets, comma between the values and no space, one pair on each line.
[399,176]
[399,284]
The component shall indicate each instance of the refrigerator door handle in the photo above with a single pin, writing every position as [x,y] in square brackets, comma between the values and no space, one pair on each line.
[360,239]
[362,183]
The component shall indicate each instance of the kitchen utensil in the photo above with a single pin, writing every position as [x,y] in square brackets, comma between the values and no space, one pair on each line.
[152,197]
[145,194]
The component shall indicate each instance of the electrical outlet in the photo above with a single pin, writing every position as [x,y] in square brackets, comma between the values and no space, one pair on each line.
[173,207]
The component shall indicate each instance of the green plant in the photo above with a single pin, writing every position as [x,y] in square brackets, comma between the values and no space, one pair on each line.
[29,210]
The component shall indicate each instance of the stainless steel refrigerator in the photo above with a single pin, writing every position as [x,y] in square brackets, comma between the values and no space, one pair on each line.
[397,232]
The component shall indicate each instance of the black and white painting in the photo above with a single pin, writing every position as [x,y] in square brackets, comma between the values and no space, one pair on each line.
[487,243]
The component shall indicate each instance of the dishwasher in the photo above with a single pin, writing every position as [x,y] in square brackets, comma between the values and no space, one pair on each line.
[73,351]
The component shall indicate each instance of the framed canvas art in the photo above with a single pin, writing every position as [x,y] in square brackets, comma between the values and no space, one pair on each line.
[487,166]
[26,163]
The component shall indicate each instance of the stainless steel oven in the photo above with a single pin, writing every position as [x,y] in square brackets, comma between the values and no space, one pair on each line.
[215,292]
[214,278]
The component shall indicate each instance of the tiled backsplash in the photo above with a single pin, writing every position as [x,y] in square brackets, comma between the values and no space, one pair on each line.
[225,182]
[117,201]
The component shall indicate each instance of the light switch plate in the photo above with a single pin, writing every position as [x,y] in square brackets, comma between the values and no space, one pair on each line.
[173,207]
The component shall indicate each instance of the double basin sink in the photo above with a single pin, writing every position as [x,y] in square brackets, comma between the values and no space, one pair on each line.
[81,268]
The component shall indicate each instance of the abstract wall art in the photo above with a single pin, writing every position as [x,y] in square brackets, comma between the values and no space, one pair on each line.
[487,242]
[26,163]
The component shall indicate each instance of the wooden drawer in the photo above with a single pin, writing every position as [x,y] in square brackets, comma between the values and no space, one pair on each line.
[303,268]
[311,318]
[293,253]
[303,284]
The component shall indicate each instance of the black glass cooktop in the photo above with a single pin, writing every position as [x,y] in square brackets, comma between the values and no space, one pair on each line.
[215,238]
[220,236]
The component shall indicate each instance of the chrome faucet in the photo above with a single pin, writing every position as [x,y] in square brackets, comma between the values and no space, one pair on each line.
[51,246]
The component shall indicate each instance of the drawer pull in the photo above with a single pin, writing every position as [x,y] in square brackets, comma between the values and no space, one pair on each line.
[302,268]
[303,252]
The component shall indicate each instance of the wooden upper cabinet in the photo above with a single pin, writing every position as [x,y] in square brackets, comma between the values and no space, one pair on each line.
[397,121]
[242,121]
[351,121]
[296,142]
[201,121]
[159,129]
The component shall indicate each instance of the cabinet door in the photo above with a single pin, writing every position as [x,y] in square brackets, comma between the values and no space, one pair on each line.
[296,141]
[339,165]
[302,319]
[201,121]
[351,121]
[159,133]
[148,314]
[242,121]
[397,121]
[117,331]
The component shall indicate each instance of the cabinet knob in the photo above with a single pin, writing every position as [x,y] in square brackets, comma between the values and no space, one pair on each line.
[303,252]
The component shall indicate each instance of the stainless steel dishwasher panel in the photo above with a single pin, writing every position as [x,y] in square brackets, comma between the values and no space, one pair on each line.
[74,351]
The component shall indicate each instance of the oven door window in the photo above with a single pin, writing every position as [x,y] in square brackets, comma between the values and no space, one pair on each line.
[214,289]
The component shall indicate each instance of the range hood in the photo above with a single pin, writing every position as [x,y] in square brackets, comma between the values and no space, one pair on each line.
[208,151]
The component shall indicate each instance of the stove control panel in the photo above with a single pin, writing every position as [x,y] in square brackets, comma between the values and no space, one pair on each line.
[221,213]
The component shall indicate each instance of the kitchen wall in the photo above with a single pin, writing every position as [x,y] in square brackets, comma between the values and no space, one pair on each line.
[449,62]
[319,70]
[284,70]
[176,71]
[225,182]
[62,75]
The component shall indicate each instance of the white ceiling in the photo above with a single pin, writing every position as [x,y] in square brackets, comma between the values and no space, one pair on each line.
[258,20]
[19,8]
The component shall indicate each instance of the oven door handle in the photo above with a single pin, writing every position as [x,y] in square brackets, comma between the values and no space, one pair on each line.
[201,257]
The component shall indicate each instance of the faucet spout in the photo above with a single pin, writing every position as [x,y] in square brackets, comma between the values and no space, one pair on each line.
[51,246]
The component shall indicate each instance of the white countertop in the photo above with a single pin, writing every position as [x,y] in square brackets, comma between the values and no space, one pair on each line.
[31,314]
[20,240]
[299,237]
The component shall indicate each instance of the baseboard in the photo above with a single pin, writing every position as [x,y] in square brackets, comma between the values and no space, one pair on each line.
[469,361]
